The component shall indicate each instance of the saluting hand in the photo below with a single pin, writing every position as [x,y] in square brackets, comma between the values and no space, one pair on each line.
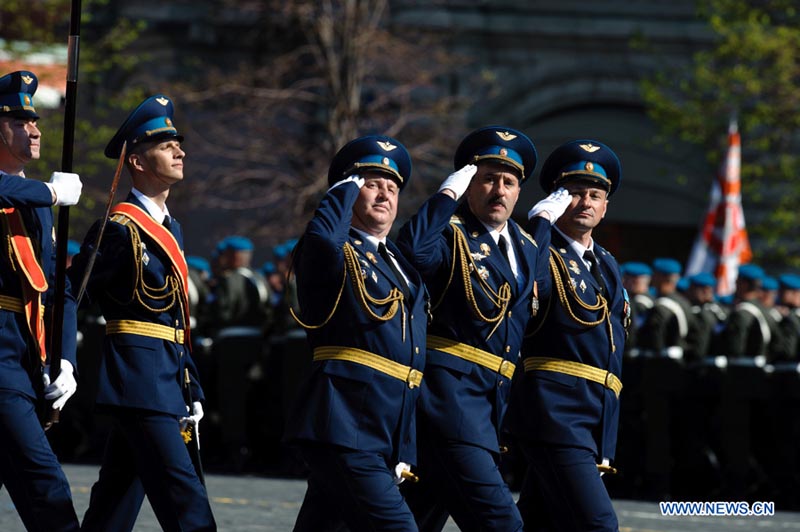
[357,179]
[459,181]
[553,206]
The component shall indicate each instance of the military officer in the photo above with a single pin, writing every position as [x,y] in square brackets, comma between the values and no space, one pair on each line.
[480,268]
[364,308]
[28,468]
[565,406]
[147,379]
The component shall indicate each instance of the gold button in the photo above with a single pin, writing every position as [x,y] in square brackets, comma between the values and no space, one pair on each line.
[509,313]
[416,350]
[508,349]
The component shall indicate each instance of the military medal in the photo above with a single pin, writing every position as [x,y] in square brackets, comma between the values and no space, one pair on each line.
[583,286]
[371,256]
[485,249]
[145,259]
[483,272]
[573,266]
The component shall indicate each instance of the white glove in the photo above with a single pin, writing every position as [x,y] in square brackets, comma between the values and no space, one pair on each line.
[398,472]
[553,205]
[357,179]
[64,386]
[66,187]
[458,181]
[194,419]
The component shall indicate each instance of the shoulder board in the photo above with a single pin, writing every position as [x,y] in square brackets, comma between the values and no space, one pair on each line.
[456,219]
[120,219]
[524,233]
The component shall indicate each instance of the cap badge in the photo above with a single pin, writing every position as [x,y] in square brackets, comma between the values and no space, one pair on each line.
[27,79]
[27,100]
[385,161]
[591,148]
[505,135]
[168,122]
[162,100]
[589,167]
[387,146]
[503,152]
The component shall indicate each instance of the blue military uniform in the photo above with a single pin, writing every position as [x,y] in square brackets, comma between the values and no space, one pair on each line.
[28,467]
[354,417]
[565,406]
[147,377]
[473,342]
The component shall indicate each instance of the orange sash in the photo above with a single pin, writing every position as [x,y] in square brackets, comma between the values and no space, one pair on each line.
[34,282]
[166,240]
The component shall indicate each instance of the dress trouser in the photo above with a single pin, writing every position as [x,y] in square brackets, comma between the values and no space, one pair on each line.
[564,492]
[30,470]
[352,489]
[146,454]
[464,481]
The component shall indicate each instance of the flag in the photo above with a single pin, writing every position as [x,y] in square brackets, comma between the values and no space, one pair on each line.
[722,243]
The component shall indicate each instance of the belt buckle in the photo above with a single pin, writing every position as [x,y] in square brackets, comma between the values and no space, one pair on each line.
[179,336]
[413,375]
[504,366]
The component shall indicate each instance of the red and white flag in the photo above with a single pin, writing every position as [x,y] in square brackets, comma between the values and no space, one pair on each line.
[722,244]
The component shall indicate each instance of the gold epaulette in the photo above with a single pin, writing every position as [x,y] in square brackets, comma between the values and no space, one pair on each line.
[456,219]
[120,219]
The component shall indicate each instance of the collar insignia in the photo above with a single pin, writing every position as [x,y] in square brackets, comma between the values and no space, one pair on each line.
[27,79]
[591,148]
[505,135]
[163,101]
[387,146]
[357,242]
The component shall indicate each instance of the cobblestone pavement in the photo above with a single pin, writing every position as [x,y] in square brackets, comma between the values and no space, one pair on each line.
[249,503]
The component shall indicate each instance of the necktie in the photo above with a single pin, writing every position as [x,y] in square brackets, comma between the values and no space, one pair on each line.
[167,223]
[595,269]
[401,282]
[503,245]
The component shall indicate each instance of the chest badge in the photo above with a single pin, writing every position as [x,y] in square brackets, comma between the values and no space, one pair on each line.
[583,286]
[573,267]
[371,256]
[485,249]
[483,272]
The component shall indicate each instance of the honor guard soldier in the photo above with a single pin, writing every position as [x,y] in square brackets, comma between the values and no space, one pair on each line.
[789,306]
[480,268]
[147,380]
[636,278]
[565,406]
[28,467]
[709,317]
[364,308]
[665,331]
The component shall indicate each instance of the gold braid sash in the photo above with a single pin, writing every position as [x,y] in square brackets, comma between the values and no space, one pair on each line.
[560,272]
[464,259]
[352,269]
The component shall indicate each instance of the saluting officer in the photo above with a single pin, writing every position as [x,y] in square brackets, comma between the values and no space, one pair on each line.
[147,380]
[480,268]
[364,308]
[28,467]
[565,407]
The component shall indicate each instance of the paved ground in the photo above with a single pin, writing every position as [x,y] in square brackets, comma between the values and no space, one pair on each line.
[243,503]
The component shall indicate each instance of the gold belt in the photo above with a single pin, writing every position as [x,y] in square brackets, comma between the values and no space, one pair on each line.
[472,354]
[14,304]
[350,354]
[144,328]
[576,369]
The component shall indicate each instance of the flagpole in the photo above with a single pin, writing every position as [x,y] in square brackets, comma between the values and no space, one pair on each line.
[62,235]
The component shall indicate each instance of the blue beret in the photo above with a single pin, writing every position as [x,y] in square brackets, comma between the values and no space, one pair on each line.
[238,243]
[16,94]
[751,272]
[150,121]
[668,266]
[703,279]
[586,160]
[789,281]
[268,268]
[375,153]
[726,300]
[769,283]
[73,247]
[198,263]
[500,144]
[683,284]
[636,269]
[281,251]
